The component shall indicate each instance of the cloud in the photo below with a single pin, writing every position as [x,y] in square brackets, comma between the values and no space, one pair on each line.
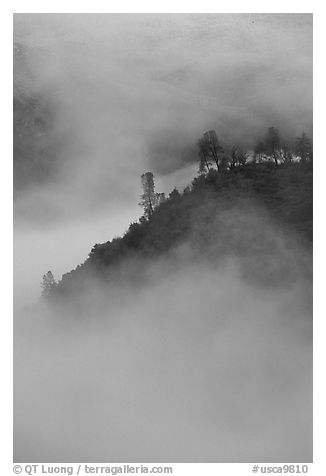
[133,92]
[179,359]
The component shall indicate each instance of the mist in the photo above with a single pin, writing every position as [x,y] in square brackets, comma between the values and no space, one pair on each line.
[201,368]
[137,90]
[186,357]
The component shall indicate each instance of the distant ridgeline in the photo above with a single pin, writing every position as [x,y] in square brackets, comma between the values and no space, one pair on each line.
[37,141]
[254,206]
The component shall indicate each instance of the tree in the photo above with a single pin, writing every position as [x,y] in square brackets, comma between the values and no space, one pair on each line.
[149,199]
[210,151]
[175,194]
[213,146]
[303,147]
[232,157]
[273,143]
[204,156]
[242,156]
[287,154]
[237,156]
[48,283]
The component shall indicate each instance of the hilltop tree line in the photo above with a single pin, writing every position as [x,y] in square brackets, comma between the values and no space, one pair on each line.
[213,156]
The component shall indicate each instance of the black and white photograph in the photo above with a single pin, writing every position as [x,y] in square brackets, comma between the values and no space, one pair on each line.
[163,238]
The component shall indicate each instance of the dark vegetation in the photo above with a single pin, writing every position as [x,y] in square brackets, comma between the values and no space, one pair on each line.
[232,208]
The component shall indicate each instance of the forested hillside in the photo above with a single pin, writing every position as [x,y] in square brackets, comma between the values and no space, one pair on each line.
[258,212]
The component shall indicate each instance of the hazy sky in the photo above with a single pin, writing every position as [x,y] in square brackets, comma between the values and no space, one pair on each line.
[132,93]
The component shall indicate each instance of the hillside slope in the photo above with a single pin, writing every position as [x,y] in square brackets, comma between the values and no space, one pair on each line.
[258,212]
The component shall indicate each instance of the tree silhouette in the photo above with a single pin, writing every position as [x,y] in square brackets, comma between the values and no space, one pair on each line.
[303,147]
[48,283]
[242,155]
[213,146]
[287,154]
[236,156]
[273,143]
[204,156]
[175,194]
[149,199]
[210,151]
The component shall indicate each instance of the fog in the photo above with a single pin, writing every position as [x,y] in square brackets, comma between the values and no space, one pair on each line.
[185,358]
[130,93]
[200,368]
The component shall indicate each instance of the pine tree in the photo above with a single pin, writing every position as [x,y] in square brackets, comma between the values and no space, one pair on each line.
[149,199]
[48,283]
